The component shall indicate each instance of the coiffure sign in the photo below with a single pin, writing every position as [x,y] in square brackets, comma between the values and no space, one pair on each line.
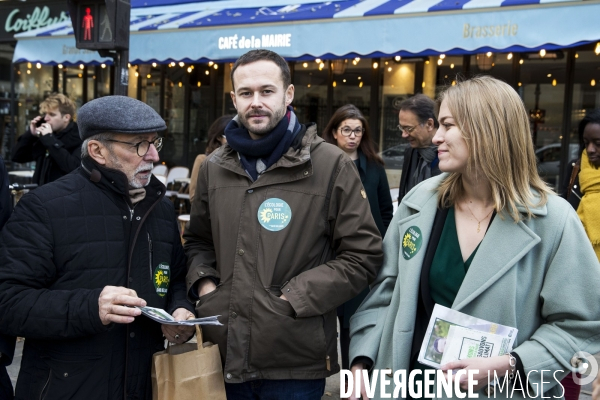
[25,18]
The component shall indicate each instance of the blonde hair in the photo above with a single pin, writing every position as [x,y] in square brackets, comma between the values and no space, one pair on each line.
[61,102]
[495,125]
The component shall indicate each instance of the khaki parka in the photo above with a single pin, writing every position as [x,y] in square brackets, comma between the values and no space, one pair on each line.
[304,229]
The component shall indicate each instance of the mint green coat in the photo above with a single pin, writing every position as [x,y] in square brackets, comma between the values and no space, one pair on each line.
[539,275]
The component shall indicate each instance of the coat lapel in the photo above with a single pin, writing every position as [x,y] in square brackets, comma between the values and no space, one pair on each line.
[424,205]
[505,243]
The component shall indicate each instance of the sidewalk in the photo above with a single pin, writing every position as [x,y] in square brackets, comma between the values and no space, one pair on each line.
[332,387]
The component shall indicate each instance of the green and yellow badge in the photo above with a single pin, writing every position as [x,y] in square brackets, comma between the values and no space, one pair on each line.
[162,277]
[411,242]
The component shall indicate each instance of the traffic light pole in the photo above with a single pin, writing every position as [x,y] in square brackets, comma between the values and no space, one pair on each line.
[121,61]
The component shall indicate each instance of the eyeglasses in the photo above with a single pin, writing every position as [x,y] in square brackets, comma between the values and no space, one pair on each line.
[407,129]
[347,131]
[143,146]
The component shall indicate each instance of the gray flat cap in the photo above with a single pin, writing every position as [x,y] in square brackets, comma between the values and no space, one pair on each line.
[118,114]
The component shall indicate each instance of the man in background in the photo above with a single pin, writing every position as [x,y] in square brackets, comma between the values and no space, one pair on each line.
[52,141]
[418,124]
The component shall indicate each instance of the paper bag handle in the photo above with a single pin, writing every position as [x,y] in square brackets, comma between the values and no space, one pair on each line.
[199,336]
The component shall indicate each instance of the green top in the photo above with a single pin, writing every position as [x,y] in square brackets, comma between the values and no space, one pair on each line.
[448,269]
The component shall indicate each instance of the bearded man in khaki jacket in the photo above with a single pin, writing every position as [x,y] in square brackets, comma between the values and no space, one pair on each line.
[280,234]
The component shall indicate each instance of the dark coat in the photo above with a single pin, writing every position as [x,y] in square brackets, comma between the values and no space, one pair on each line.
[320,252]
[573,195]
[55,155]
[374,180]
[5,200]
[63,244]
[410,161]
[7,343]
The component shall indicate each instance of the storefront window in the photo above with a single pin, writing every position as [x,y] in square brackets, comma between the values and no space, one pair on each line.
[498,65]
[34,83]
[398,85]
[203,108]
[352,85]
[174,100]
[72,77]
[310,95]
[448,71]
[542,85]
[102,73]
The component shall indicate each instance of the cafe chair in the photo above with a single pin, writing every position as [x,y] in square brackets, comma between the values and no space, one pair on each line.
[160,170]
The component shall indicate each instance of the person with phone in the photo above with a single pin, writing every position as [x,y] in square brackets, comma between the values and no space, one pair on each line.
[52,141]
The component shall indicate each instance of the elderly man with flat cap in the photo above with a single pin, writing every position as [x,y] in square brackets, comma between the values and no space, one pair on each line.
[80,253]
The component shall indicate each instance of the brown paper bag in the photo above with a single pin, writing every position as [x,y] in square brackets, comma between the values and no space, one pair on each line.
[188,371]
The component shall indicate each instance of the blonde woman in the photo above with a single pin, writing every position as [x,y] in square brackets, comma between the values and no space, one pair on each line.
[495,243]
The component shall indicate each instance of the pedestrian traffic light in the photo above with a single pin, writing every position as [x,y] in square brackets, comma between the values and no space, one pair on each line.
[100,24]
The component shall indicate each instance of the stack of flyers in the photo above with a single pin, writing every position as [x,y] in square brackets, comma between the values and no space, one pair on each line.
[499,339]
[160,315]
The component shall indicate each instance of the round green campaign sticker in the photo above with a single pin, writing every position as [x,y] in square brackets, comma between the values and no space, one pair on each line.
[162,277]
[411,242]
[274,214]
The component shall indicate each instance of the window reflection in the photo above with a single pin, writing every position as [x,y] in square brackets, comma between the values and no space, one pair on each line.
[310,92]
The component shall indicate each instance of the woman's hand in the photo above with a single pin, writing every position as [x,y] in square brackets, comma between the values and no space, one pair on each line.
[485,366]
[354,396]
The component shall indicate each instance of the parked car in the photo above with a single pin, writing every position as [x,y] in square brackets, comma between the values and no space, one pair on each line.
[393,157]
[548,158]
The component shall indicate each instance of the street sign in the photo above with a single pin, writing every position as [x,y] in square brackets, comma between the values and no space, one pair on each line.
[101,24]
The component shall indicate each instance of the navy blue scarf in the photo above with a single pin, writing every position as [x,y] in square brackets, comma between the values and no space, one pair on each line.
[269,148]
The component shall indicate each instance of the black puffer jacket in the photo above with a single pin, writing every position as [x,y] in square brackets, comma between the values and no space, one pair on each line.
[63,244]
[55,155]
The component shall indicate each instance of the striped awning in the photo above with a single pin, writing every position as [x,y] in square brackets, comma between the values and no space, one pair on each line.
[223,30]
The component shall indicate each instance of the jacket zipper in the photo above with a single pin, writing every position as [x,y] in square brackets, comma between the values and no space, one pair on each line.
[42,395]
[131,211]
[137,232]
[150,254]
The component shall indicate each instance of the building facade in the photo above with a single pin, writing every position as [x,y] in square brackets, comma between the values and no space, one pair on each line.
[371,53]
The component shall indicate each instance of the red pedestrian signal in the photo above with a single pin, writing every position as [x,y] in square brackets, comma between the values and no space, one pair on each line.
[100,24]
[88,24]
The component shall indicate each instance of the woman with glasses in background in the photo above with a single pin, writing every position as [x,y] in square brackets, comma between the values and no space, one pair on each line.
[348,129]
